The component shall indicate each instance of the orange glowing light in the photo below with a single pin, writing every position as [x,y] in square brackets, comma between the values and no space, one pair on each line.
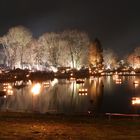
[135,101]
[36,89]
[136,82]
[118,81]
[82,92]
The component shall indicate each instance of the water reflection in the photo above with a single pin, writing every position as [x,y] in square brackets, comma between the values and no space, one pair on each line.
[118,97]
[136,101]
[93,95]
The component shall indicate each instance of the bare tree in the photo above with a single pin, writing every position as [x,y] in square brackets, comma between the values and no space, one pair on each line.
[39,54]
[69,48]
[110,59]
[64,58]
[15,43]
[95,54]
[77,43]
[134,58]
[30,53]
[52,46]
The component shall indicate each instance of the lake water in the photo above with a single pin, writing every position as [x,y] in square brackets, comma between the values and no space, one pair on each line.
[96,95]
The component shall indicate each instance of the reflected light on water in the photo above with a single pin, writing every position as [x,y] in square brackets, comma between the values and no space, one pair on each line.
[29,82]
[10,92]
[72,79]
[83,90]
[136,101]
[116,76]
[108,80]
[80,81]
[118,81]
[46,84]
[136,82]
[36,89]
[5,96]
[82,94]
[98,94]
[54,82]
[8,89]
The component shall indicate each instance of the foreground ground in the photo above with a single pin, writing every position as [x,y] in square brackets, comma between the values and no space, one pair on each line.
[59,127]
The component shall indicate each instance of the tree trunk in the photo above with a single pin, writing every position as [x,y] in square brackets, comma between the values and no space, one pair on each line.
[72,59]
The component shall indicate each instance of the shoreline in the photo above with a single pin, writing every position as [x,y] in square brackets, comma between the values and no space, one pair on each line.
[21,126]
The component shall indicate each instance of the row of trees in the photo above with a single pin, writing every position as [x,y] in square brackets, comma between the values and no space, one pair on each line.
[66,49]
[134,58]
[130,61]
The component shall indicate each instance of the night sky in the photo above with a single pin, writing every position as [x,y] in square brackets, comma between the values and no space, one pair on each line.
[115,22]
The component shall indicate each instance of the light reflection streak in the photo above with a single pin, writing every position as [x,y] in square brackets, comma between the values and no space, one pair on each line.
[136,101]
[54,82]
[62,96]
[36,89]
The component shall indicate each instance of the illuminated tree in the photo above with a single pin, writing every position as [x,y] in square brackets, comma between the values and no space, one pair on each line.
[77,43]
[51,44]
[15,43]
[110,59]
[134,58]
[65,49]
[2,56]
[69,48]
[64,58]
[95,54]
[33,54]
[10,52]
[55,49]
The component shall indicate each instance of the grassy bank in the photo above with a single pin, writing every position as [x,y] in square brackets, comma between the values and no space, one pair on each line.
[60,127]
